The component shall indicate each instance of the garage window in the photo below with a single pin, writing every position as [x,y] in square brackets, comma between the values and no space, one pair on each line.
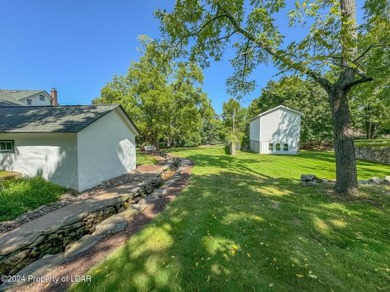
[271,146]
[285,147]
[7,146]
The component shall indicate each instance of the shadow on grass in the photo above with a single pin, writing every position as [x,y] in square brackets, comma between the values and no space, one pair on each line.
[234,231]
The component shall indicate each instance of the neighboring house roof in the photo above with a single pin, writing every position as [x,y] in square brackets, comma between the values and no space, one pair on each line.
[14,97]
[274,109]
[48,119]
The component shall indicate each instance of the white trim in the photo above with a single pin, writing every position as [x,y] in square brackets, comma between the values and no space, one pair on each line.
[276,108]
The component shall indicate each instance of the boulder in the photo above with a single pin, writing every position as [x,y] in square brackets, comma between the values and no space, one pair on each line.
[386,180]
[375,181]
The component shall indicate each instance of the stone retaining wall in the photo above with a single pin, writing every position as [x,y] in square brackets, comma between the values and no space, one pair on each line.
[16,253]
[375,154]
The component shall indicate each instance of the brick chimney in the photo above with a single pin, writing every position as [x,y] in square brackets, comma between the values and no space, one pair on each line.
[53,94]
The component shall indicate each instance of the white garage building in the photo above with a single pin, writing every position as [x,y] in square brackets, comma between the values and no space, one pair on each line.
[276,131]
[77,147]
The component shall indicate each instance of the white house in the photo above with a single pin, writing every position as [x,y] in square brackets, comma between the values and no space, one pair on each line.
[28,97]
[276,131]
[77,147]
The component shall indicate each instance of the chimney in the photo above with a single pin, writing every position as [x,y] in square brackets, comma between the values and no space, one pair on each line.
[53,94]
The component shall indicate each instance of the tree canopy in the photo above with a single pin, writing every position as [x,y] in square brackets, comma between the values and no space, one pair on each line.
[328,54]
[163,97]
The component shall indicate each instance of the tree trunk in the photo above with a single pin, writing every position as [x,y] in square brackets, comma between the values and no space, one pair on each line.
[346,173]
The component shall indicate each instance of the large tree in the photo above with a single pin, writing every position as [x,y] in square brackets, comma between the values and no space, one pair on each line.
[207,27]
[164,98]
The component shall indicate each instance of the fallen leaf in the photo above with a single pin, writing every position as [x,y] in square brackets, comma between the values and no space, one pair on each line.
[300,275]
[312,276]
[270,285]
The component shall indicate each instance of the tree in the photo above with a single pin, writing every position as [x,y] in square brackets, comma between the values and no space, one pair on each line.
[207,27]
[372,101]
[211,126]
[303,95]
[234,120]
[164,98]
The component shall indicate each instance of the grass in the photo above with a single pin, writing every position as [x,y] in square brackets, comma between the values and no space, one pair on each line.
[246,224]
[143,158]
[18,196]
[372,143]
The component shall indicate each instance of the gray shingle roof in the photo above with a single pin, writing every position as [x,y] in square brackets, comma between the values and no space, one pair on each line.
[45,119]
[13,97]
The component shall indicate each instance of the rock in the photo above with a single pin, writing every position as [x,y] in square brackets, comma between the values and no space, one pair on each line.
[10,262]
[312,183]
[386,180]
[375,181]
[152,197]
[362,182]
[111,225]
[85,243]
[310,177]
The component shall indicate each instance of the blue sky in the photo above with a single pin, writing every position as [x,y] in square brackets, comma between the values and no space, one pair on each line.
[77,47]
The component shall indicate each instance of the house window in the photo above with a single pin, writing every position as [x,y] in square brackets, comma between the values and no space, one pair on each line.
[285,147]
[29,101]
[271,146]
[41,97]
[277,146]
[7,146]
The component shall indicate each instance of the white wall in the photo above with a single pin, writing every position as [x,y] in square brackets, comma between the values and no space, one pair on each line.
[254,135]
[280,126]
[36,101]
[50,155]
[106,149]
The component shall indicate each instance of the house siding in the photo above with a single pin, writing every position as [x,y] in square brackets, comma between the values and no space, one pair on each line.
[280,126]
[36,101]
[51,155]
[106,149]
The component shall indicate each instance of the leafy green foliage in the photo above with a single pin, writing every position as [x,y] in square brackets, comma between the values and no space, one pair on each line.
[371,102]
[18,196]
[304,96]
[327,52]
[211,127]
[245,224]
[164,98]
[234,118]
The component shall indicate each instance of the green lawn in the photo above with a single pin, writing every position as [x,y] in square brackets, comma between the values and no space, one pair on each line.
[245,224]
[372,143]
[143,158]
[18,196]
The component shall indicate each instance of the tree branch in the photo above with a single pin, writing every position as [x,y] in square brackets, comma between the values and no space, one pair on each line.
[193,33]
[349,85]
[245,62]
[367,50]
[279,55]
[226,36]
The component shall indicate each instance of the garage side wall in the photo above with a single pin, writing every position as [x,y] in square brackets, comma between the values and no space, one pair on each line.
[50,155]
[106,149]
[254,135]
[280,127]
